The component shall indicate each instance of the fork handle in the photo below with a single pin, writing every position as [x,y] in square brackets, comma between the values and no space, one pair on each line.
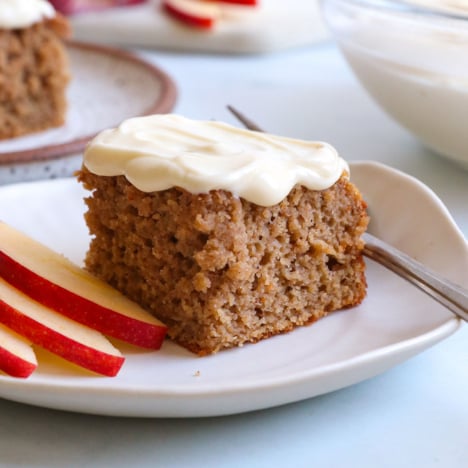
[447,293]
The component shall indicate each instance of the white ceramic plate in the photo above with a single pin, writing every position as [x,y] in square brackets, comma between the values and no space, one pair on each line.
[108,86]
[395,321]
[271,26]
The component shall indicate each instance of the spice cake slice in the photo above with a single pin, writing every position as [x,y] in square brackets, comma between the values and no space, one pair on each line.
[34,70]
[226,235]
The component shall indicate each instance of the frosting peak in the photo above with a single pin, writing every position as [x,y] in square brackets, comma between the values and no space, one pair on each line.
[163,151]
[15,14]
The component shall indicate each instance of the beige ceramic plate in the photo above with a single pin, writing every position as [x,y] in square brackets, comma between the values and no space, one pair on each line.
[108,86]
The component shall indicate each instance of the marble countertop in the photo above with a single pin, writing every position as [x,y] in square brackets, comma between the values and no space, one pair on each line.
[415,415]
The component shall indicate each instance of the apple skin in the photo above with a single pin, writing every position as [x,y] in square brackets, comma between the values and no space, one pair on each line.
[17,358]
[69,7]
[14,365]
[56,282]
[78,353]
[102,319]
[202,19]
[238,2]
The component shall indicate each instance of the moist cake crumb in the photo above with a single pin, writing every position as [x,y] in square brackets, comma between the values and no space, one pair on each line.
[221,271]
[34,76]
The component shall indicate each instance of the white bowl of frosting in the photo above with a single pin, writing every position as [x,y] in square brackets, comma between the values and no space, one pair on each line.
[412,57]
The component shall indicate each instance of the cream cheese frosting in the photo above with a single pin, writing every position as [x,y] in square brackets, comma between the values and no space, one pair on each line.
[15,14]
[159,152]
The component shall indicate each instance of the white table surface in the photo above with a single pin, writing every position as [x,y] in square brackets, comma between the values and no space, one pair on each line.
[415,415]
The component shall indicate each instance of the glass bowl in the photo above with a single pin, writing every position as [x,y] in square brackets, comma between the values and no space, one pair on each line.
[412,57]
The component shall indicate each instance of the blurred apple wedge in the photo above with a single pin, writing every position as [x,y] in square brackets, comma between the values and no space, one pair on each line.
[197,13]
[247,3]
[60,335]
[54,281]
[17,357]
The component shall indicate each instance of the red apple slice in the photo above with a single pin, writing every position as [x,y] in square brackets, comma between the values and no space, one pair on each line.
[195,13]
[54,281]
[69,7]
[238,2]
[16,355]
[65,7]
[58,334]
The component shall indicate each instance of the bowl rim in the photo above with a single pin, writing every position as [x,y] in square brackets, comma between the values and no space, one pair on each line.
[413,7]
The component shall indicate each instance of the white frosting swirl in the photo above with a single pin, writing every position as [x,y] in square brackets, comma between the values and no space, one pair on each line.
[15,14]
[163,151]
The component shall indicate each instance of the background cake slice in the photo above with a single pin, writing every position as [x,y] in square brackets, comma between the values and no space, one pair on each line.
[226,235]
[34,71]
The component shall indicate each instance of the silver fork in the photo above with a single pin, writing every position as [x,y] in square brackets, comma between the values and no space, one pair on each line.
[444,291]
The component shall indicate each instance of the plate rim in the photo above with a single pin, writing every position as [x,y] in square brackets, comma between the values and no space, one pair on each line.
[429,338]
[164,103]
